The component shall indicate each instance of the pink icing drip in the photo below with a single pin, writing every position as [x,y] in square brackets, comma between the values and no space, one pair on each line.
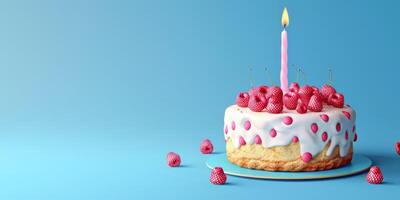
[242,141]
[247,125]
[338,127]
[325,117]
[272,133]
[257,140]
[314,128]
[324,136]
[233,125]
[347,114]
[287,120]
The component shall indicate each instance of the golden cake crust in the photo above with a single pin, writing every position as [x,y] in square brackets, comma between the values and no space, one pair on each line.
[284,158]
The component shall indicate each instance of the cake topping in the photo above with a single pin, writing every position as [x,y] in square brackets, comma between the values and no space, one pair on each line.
[290,100]
[294,87]
[305,94]
[306,157]
[257,140]
[346,135]
[272,133]
[272,99]
[226,129]
[315,104]
[301,108]
[247,125]
[336,100]
[355,138]
[354,128]
[295,139]
[287,120]
[275,105]
[327,90]
[257,103]
[314,128]
[242,99]
[324,136]
[274,91]
[324,117]
[397,147]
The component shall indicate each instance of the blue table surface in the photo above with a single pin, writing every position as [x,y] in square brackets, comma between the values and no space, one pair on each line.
[95,93]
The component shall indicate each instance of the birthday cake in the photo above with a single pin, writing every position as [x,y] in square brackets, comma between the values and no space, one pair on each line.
[305,129]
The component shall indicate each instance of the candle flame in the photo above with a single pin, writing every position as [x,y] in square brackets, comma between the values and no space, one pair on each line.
[285,18]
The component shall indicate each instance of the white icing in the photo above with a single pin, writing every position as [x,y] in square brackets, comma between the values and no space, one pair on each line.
[263,122]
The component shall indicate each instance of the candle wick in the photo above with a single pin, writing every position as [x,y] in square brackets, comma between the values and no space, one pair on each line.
[269,79]
[250,76]
[330,76]
[304,75]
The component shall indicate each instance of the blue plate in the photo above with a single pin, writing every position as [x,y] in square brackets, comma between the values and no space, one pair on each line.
[359,164]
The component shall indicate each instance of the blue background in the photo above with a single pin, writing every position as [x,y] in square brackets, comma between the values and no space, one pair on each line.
[95,93]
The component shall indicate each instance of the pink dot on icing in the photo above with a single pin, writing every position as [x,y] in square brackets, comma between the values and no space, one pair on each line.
[355,137]
[338,127]
[233,125]
[257,140]
[306,157]
[347,114]
[295,139]
[324,117]
[346,135]
[324,136]
[314,127]
[226,129]
[272,133]
[287,120]
[242,141]
[247,125]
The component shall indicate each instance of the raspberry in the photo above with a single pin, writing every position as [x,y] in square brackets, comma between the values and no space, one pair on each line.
[294,87]
[305,93]
[257,103]
[374,175]
[242,99]
[257,90]
[290,100]
[275,105]
[315,104]
[173,159]
[206,147]
[218,176]
[301,108]
[274,91]
[336,100]
[327,90]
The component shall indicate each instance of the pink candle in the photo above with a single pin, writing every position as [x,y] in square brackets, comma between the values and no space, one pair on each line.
[284,62]
[284,52]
